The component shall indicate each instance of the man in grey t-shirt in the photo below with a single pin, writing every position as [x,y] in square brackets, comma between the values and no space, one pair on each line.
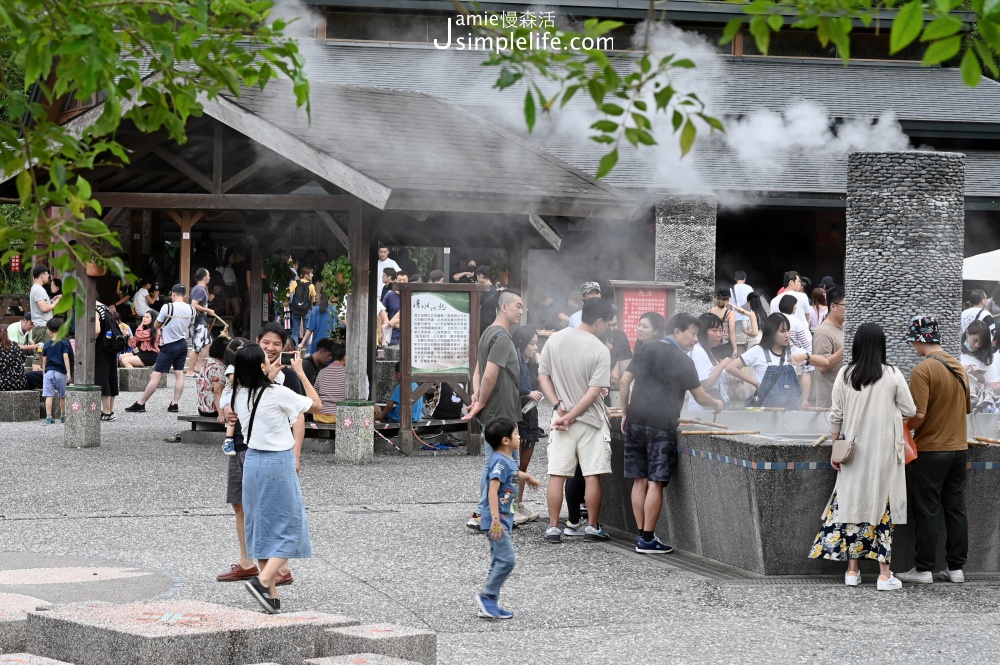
[494,382]
[201,338]
[41,306]
[172,323]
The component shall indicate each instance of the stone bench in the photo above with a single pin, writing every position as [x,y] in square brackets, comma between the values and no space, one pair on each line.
[328,430]
[360,659]
[20,406]
[135,379]
[406,644]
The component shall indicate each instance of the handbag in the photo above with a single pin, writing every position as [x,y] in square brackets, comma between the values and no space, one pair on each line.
[843,450]
[909,446]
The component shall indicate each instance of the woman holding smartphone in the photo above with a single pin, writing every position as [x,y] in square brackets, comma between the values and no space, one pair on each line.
[274,513]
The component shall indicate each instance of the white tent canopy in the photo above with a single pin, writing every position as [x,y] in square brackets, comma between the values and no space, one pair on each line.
[982,267]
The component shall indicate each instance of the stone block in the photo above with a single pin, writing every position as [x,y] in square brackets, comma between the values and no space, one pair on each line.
[83,417]
[135,379]
[383,639]
[319,445]
[355,432]
[19,406]
[180,632]
[385,374]
[203,437]
[28,659]
[360,659]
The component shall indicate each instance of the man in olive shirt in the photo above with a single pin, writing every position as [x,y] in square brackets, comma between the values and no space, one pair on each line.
[494,383]
[827,340]
[935,481]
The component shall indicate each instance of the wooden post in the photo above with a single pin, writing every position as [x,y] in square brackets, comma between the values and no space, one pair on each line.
[256,303]
[186,221]
[359,303]
[86,341]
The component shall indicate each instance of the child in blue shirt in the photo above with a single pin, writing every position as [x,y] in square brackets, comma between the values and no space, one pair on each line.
[55,371]
[501,434]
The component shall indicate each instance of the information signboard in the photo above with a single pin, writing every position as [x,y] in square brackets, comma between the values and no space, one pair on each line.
[634,299]
[439,332]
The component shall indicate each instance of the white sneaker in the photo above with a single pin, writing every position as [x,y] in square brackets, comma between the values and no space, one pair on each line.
[522,515]
[574,533]
[852,580]
[954,576]
[889,584]
[917,577]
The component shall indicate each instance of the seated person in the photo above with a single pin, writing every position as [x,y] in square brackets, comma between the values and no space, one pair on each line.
[390,412]
[15,308]
[331,382]
[449,406]
[143,346]
[211,378]
[320,358]
[11,364]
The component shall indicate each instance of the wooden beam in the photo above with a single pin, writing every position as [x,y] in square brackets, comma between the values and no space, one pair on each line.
[334,227]
[414,201]
[247,173]
[359,303]
[191,172]
[223,201]
[112,215]
[300,152]
[547,232]
[186,221]
[218,141]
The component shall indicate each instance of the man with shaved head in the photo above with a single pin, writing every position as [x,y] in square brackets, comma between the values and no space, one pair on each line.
[495,379]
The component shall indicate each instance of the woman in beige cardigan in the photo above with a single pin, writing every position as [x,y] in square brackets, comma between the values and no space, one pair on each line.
[870,401]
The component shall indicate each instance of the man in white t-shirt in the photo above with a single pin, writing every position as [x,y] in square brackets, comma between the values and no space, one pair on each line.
[740,292]
[793,286]
[588,290]
[41,306]
[978,311]
[173,323]
[384,261]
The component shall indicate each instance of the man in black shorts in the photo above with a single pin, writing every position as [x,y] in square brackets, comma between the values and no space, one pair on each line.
[663,372]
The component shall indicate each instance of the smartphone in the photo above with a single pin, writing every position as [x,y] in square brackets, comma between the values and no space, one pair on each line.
[286,358]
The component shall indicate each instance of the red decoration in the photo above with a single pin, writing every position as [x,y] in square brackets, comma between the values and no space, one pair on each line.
[15,263]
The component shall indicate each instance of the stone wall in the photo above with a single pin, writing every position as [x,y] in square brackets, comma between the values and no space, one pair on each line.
[905,245]
[685,249]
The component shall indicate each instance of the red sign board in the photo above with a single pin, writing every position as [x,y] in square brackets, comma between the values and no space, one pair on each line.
[15,263]
[635,303]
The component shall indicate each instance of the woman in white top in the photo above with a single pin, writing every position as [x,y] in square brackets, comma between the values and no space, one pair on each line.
[978,358]
[710,370]
[819,309]
[273,511]
[776,351]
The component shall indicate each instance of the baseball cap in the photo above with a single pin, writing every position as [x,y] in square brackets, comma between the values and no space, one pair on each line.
[827,282]
[178,288]
[590,286]
[923,328]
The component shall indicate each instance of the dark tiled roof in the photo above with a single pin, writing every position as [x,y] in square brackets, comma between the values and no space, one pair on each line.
[420,145]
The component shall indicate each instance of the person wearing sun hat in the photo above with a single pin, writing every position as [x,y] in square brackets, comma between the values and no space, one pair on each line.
[588,290]
[935,480]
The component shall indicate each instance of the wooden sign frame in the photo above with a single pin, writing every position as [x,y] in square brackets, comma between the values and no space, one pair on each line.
[425,380]
[620,287]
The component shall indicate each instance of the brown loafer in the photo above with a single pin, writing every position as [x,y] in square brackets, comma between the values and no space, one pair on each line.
[237,573]
[283,580]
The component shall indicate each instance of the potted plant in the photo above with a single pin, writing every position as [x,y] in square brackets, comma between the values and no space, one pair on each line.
[277,275]
[97,266]
[498,267]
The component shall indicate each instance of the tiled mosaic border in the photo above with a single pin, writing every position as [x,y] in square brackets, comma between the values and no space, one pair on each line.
[798,466]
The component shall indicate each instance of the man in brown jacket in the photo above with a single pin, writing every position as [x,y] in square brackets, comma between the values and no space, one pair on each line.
[935,481]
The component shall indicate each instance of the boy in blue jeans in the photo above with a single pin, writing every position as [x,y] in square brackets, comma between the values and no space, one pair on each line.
[55,371]
[501,495]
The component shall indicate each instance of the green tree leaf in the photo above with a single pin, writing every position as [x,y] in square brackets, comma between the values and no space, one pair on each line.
[946,26]
[732,27]
[608,162]
[906,26]
[943,50]
[688,135]
[971,71]
[529,110]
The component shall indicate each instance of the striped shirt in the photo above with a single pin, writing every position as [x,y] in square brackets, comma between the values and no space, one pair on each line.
[331,386]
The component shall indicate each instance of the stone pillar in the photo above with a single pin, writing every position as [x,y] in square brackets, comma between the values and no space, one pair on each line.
[83,417]
[385,373]
[355,432]
[685,249]
[905,244]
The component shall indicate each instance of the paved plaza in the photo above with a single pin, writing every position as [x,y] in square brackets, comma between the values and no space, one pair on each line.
[142,518]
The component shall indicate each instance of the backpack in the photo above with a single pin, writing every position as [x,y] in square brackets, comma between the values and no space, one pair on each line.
[301,301]
[117,342]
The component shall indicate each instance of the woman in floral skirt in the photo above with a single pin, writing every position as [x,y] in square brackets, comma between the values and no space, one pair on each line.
[870,401]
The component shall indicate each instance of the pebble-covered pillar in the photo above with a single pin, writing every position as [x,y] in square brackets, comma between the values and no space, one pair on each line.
[355,432]
[685,249]
[83,417]
[905,245]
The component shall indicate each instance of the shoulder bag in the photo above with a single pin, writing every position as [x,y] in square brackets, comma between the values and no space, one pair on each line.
[843,450]
[253,412]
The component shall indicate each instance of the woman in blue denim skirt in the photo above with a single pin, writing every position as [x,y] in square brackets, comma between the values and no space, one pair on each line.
[274,514]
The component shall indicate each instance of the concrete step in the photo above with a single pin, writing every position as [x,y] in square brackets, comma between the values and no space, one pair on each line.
[14,610]
[27,659]
[360,659]
[383,639]
[177,632]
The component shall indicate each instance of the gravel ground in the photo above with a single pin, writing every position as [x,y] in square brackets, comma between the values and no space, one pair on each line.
[390,545]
